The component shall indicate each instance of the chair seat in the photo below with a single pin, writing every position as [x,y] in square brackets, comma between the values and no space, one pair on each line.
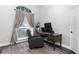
[35,42]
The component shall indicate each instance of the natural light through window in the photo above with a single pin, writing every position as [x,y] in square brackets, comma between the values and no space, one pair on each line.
[21,31]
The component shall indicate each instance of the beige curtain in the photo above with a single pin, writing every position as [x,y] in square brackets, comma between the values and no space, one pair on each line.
[30,19]
[19,18]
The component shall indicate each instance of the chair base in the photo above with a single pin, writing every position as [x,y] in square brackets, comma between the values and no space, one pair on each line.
[36,47]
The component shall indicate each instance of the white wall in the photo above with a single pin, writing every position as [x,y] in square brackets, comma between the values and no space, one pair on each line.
[35,10]
[7,15]
[60,17]
[76,30]
[6,23]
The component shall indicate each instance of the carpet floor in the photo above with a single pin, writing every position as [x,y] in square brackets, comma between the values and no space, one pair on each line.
[22,48]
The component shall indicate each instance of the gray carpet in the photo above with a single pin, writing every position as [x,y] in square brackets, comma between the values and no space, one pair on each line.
[22,48]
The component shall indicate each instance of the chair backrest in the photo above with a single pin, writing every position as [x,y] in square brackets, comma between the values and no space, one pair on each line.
[43,29]
[28,33]
[48,27]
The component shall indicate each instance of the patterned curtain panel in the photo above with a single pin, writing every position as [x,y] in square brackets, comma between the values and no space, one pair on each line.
[19,18]
[30,19]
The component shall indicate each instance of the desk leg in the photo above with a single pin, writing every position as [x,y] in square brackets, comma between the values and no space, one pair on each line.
[60,41]
[53,45]
[60,45]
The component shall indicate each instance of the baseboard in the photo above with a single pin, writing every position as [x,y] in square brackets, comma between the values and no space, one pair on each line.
[77,52]
[65,46]
[19,41]
[6,44]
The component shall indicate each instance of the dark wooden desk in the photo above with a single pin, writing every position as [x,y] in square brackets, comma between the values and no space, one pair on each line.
[52,38]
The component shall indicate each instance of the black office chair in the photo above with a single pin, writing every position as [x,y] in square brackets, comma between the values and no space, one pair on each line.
[35,41]
[47,28]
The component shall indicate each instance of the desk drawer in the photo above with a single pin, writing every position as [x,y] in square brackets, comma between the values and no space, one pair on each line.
[57,38]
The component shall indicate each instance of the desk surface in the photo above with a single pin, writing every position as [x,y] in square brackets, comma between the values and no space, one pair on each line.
[52,38]
[55,34]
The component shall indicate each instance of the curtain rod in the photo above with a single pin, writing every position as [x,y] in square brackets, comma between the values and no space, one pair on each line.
[26,12]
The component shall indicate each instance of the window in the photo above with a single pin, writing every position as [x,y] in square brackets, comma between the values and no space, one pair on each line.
[21,31]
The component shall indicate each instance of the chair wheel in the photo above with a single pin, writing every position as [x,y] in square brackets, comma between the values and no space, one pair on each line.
[31,48]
